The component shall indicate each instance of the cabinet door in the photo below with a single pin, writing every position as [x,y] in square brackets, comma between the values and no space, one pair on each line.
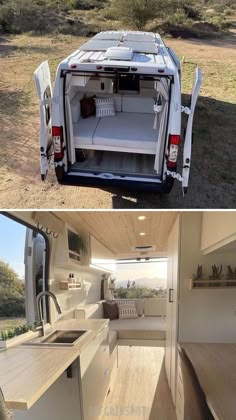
[95,378]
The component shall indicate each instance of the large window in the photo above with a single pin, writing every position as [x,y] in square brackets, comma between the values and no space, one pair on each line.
[23,274]
[141,278]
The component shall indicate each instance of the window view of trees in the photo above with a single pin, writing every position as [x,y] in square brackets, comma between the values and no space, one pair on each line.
[12,292]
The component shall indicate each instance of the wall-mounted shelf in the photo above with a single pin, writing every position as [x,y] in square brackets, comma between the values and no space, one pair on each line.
[212,284]
[64,285]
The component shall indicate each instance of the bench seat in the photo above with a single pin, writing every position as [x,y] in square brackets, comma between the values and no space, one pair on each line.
[131,132]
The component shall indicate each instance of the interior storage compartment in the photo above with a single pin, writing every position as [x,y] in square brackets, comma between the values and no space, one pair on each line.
[121,138]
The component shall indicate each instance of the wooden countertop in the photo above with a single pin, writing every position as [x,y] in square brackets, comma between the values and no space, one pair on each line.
[26,372]
[215,366]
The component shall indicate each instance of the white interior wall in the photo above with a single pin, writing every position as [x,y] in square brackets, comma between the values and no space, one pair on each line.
[204,315]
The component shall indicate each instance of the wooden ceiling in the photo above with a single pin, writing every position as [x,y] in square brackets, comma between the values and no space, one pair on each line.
[119,231]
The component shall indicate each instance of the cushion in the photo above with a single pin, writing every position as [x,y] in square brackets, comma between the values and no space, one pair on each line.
[134,131]
[141,328]
[87,107]
[84,131]
[110,310]
[155,307]
[137,104]
[127,309]
[105,107]
[139,303]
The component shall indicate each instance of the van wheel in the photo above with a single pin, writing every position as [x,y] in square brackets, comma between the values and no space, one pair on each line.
[60,173]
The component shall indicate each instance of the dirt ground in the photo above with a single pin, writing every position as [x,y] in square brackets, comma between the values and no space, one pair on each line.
[213,173]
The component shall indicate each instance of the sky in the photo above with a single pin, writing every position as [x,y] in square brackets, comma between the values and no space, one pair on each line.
[12,244]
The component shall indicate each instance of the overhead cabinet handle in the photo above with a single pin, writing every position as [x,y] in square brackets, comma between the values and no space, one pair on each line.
[170,295]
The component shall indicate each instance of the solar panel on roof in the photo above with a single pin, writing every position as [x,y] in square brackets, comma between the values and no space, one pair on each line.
[142,47]
[109,35]
[139,37]
[98,45]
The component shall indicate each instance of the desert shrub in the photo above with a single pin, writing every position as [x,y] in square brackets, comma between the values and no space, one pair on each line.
[136,13]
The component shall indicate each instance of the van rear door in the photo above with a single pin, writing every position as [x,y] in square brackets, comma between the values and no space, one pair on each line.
[42,79]
[188,136]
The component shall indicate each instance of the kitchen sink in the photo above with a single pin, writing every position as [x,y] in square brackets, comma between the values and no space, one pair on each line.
[59,338]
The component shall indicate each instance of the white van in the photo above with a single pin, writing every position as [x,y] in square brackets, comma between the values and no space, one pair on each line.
[114,116]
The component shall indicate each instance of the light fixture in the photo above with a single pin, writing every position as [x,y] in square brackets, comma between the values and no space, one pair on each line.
[142,234]
[141,217]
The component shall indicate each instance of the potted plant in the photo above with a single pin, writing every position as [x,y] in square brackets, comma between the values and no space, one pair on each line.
[16,335]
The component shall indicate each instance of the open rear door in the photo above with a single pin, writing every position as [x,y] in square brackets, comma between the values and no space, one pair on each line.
[44,89]
[188,135]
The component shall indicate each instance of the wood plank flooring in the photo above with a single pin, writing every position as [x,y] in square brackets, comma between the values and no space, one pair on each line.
[117,162]
[139,388]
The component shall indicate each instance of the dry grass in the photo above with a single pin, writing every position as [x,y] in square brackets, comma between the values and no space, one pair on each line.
[212,183]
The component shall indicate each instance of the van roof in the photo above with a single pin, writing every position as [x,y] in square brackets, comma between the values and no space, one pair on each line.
[144,50]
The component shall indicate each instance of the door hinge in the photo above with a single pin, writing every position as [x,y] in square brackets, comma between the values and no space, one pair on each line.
[174,175]
[186,110]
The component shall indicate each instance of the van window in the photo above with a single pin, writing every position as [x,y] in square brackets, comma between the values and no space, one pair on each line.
[141,278]
[23,258]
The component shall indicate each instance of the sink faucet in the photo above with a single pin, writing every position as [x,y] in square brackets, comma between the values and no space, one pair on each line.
[39,306]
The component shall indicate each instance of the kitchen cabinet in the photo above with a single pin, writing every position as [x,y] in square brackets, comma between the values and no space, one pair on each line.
[218,230]
[95,375]
[79,393]
[61,401]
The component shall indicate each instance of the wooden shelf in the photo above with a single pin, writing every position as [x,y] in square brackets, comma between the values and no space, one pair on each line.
[212,284]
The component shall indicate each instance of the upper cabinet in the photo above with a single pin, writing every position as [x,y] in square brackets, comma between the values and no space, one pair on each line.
[72,248]
[218,231]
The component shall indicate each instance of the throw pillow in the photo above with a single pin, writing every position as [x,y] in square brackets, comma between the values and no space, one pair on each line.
[87,107]
[105,107]
[127,309]
[110,310]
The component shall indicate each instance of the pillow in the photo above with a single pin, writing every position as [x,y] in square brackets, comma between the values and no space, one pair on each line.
[87,107]
[127,309]
[105,107]
[110,310]
[139,303]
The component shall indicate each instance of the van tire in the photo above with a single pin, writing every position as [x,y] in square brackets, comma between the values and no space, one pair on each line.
[60,173]
[168,185]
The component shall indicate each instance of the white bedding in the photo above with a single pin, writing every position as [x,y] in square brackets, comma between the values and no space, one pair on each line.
[133,131]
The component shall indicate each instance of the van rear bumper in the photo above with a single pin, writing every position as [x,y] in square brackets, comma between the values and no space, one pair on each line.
[126,185]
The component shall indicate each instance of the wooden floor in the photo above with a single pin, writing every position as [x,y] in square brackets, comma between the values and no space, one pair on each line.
[117,162]
[139,388]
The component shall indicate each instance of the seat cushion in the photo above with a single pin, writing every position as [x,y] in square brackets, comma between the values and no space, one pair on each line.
[141,328]
[112,340]
[140,104]
[84,130]
[134,131]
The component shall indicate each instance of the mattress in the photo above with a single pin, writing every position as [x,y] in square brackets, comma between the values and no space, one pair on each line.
[127,130]
[133,131]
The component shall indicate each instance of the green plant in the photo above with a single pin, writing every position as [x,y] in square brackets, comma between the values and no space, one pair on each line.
[136,13]
[13,332]
[216,272]
[199,273]
[231,273]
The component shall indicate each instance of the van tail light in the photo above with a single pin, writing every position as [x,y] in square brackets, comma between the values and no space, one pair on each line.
[57,137]
[174,142]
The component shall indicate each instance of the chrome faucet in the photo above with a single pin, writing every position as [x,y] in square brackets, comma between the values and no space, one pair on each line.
[39,306]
